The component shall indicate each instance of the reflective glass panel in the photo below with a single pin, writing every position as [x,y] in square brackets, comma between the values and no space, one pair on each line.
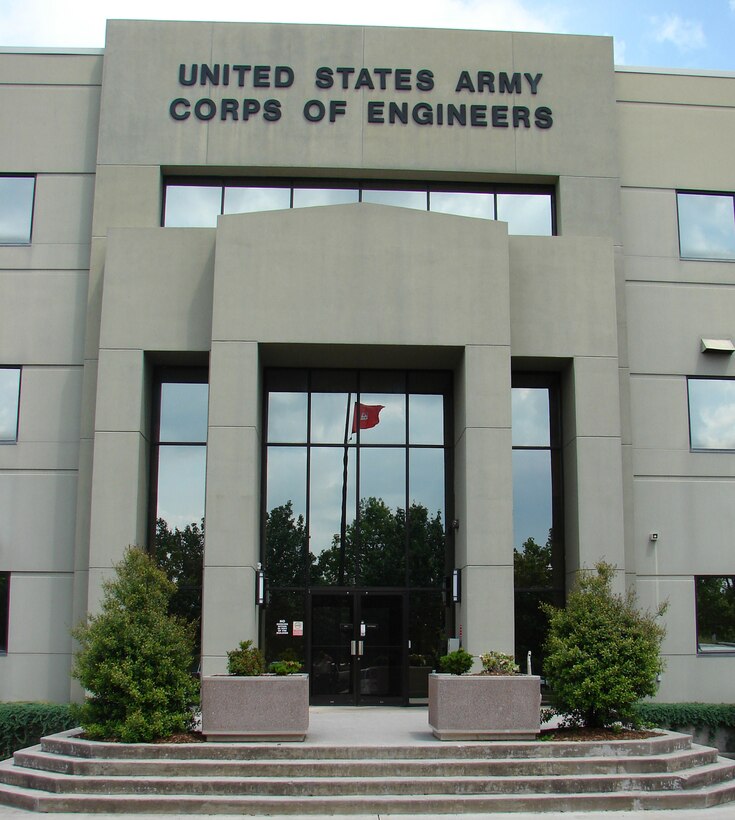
[183,411]
[426,419]
[331,417]
[287,479]
[16,210]
[249,200]
[530,416]
[287,417]
[381,418]
[308,197]
[532,509]
[9,396]
[326,492]
[427,641]
[712,414]
[383,476]
[181,476]
[715,597]
[285,545]
[402,199]
[426,517]
[481,206]
[284,617]
[706,226]
[526,214]
[192,206]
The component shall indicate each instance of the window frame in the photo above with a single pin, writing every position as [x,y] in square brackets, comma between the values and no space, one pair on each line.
[708,653]
[19,369]
[32,214]
[688,192]
[692,448]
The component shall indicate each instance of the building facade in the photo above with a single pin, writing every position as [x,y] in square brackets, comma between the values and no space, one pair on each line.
[415,324]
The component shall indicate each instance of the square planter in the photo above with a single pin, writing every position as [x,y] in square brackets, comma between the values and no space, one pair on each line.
[267,707]
[485,707]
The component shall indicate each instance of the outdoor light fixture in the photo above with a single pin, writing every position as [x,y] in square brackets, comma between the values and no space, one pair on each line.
[260,586]
[456,586]
[718,346]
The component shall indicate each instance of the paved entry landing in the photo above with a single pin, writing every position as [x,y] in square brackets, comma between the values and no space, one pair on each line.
[369,726]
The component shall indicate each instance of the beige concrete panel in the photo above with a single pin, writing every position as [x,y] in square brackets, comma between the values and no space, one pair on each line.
[50,404]
[38,514]
[392,276]
[233,497]
[582,140]
[660,269]
[158,289]
[676,146]
[56,129]
[29,677]
[62,211]
[233,380]
[33,68]
[40,613]
[40,455]
[684,463]
[667,322]
[596,409]
[84,501]
[589,206]
[562,297]
[484,498]
[673,86]
[127,196]
[486,614]
[679,619]
[626,428]
[89,399]
[694,519]
[659,412]
[95,287]
[44,258]
[229,614]
[708,679]
[119,497]
[482,388]
[42,317]
[620,305]
[571,507]
[121,387]
[650,224]
[631,562]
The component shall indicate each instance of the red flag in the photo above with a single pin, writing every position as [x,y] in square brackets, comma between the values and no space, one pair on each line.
[369,416]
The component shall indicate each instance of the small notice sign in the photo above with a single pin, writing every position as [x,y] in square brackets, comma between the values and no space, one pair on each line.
[281,627]
[298,629]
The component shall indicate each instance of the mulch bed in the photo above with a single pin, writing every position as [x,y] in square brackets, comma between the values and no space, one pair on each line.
[583,733]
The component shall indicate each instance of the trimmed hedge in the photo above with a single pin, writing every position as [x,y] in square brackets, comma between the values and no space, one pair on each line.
[24,724]
[711,716]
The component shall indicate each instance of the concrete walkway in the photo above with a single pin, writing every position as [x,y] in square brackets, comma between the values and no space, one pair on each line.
[386,726]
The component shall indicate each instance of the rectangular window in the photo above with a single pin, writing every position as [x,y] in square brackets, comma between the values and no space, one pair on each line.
[16,209]
[706,226]
[9,404]
[715,601]
[189,204]
[4,610]
[712,414]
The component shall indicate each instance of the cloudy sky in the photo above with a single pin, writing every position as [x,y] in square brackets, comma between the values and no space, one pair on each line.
[671,33]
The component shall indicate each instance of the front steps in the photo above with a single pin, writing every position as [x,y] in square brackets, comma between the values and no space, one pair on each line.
[65,774]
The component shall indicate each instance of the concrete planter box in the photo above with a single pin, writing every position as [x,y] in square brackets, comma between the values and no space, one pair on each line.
[484,707]
[268,707]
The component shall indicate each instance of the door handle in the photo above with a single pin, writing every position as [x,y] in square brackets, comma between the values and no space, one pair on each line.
[357,648]
[360,648]
[353,648]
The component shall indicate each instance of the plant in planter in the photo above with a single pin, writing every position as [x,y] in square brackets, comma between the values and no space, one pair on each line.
[497,703]
[251,704]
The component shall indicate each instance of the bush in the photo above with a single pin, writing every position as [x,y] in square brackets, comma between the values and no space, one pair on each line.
[456,663]
[602,654]
[498,663]
[24,724]
[711,716]
[285,667]
[135,658]
[247,660]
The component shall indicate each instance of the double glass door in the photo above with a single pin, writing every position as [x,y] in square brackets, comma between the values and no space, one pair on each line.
[357,648]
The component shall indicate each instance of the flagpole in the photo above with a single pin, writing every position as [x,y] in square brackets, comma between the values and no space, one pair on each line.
[343,523]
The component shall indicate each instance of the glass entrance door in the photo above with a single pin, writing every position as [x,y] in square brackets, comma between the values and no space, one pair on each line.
[357,648]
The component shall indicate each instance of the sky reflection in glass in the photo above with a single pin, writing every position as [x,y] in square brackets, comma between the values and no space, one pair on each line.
[532,512]
[192,206]
[181,477]
[530,408]
[526,214]
[706,226]
[16,210]
[9,395]
[480,206]
[712,414]
[184,411]
[251,200]
[309,197]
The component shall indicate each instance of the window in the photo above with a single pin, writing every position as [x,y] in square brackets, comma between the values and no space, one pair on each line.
[538,553]
[528,210]
[712,414]
[715,601]
[706,225]
[16,209]
[4,610]
[9,404]
[179,466]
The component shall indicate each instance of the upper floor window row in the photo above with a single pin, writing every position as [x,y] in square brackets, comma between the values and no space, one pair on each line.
[9,404]
[706,225]
[528,211]
[16,209]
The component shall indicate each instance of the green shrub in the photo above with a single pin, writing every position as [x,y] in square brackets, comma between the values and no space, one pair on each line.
[498,663]
[602,653]
[247,660]
[285,667]
[135,658]
[677,715]
[24,724]
[456,663]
